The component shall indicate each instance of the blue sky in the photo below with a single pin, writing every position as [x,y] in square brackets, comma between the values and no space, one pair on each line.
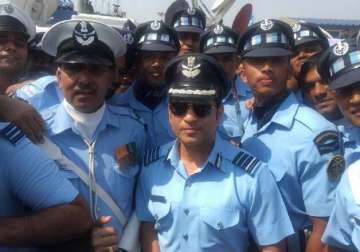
[143,10]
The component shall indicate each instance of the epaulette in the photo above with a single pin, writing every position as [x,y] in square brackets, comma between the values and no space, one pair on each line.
[126,111]
[312,120]
[246,161]
[151,156]
[157,153]
[12,133]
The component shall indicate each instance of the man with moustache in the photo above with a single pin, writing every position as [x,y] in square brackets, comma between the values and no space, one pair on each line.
[201,193]
[309,41]
[301,147]
[316,93]
[156,44]
[98,146]
[188,22]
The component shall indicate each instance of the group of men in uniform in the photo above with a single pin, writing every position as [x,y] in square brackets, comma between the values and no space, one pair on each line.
[175,136]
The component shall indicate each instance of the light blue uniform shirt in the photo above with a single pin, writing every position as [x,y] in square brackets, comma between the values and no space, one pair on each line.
[230,197]
[157,120]
[117,130]
[299,146]
[29,180]
[351,142]
[343,228]
[235,112]
[42,93]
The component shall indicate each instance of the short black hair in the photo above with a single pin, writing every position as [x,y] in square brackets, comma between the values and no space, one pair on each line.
[310,64]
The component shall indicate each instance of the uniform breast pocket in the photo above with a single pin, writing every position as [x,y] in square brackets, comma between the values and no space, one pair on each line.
[218,227]
[163,217]
[122,180]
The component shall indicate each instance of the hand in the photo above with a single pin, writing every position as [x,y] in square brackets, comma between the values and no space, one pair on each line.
[249,103]
[104,239]
[23,116]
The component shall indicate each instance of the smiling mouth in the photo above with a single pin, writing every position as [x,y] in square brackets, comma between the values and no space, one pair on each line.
[356,112]
[155,74]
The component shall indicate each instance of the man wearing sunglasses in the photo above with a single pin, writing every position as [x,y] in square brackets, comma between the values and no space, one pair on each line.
[201,193]
[340,66]
[301,147]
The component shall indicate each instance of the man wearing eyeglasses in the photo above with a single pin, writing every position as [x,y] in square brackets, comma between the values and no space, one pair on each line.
[201,193]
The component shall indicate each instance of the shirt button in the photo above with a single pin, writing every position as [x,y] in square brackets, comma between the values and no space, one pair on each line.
[186,237]
[220,225]
[187,211]
[156,217]
[98,209]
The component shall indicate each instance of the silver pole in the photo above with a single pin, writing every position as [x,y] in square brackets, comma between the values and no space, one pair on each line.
[78,5]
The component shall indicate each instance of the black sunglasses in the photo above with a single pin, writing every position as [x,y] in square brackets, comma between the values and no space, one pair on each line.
[181,108]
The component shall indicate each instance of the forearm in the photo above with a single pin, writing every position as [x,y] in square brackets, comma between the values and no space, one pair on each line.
[48,226]
[314,243]
[5,107]
[278,247]
[148,238]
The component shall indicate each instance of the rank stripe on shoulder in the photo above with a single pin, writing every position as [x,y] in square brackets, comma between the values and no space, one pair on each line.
[245,161]
[151,156]
[12,133]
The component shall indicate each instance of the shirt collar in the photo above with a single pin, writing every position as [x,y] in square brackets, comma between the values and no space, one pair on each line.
[62,121]
[214,159]
[137,105]
[350,132]
[242,88]
[285,114]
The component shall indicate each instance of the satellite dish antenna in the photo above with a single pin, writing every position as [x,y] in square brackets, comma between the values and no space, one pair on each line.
[242,19]
[39,10]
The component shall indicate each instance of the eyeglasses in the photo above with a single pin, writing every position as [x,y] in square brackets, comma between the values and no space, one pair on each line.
[200,110]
